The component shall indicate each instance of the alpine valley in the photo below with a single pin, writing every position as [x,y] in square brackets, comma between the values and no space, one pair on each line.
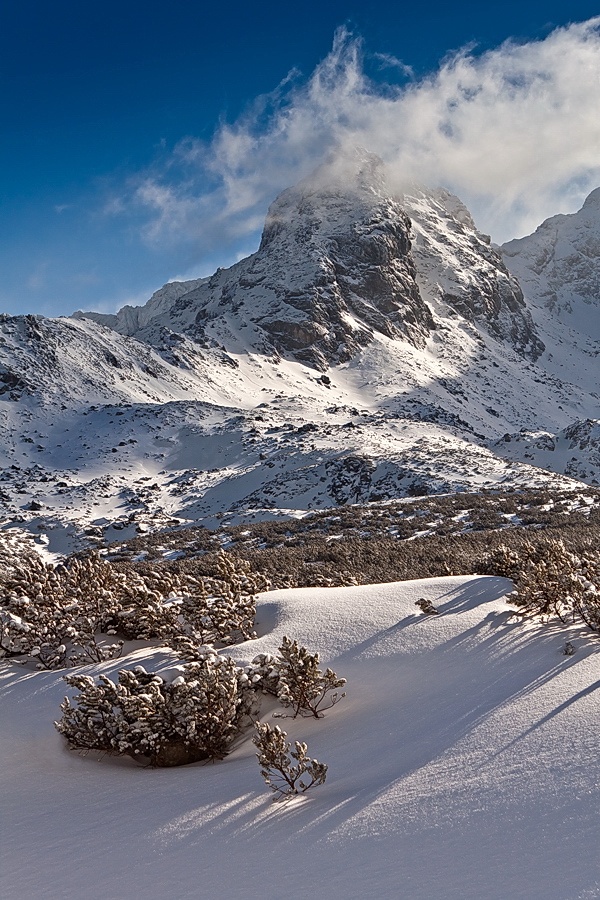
[376,346]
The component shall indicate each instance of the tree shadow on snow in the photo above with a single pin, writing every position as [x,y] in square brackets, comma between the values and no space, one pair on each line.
[433,700]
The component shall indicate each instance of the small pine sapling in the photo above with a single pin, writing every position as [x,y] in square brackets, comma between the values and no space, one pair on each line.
[302,685]
[284,777]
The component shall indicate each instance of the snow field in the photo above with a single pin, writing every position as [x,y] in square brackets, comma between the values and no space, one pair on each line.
[462,764]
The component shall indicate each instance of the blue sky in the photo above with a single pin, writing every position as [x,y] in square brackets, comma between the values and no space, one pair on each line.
[143,141]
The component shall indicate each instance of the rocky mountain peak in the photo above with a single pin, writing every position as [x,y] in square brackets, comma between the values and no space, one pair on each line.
[460,273]
[354,180]
[344,261]
[592,201]
[334,271]
[336,249]
[558,266]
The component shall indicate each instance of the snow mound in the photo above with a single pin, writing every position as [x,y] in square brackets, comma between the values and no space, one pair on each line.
[462,764]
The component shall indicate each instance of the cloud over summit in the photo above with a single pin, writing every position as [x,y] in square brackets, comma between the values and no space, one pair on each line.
[514,131]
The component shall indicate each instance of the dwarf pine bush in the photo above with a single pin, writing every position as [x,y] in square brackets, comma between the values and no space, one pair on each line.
[281,774]
[66,615]
[53,614]
[194,717]
[219,609]
[296,679]
[550,580]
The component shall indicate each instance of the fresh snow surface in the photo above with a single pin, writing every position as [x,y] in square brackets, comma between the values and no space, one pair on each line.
[463,765]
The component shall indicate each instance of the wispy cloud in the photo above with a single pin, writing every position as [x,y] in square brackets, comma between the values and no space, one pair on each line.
[514,131]
[387,61]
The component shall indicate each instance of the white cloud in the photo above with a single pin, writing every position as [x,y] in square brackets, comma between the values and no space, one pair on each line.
[387,61]
[515,132]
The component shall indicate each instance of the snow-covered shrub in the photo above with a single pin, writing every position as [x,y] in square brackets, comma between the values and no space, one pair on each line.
[550,580]
[16,546]
[56,614]
[219,609]
[505,562]
[294,676]
[587,602]
[277,768]
[194,717]
[264,673]
[53,614]
[336,579]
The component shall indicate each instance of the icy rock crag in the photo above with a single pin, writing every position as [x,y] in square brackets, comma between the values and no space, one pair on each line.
[558,266]
[458,268]
[334,268]
[339,263]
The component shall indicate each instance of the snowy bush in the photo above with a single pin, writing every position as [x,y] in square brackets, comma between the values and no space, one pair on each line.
[550,580]
[275,759]
[505,562]
[264,673]
[16,547]
[61,615]
[219,609]
[294,676]
[194,717]
[54,614]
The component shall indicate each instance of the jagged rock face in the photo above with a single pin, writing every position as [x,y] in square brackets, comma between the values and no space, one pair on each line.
[558,266]
[341,262]
[360,279]
[28,342]
[334,269]
[457,268]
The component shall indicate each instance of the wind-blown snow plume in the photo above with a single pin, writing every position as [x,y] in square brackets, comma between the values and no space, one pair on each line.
[514,131]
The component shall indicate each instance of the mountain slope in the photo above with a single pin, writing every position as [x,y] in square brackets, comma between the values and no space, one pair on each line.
[558,266]
[458,271]
[374,346]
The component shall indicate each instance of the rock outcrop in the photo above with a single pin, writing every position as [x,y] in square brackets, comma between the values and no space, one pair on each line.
[558,266]
[461,273]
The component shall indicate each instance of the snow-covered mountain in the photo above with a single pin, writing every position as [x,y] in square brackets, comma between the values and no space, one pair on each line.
[458,270]
[375,345]
[340,265]
[558,266]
